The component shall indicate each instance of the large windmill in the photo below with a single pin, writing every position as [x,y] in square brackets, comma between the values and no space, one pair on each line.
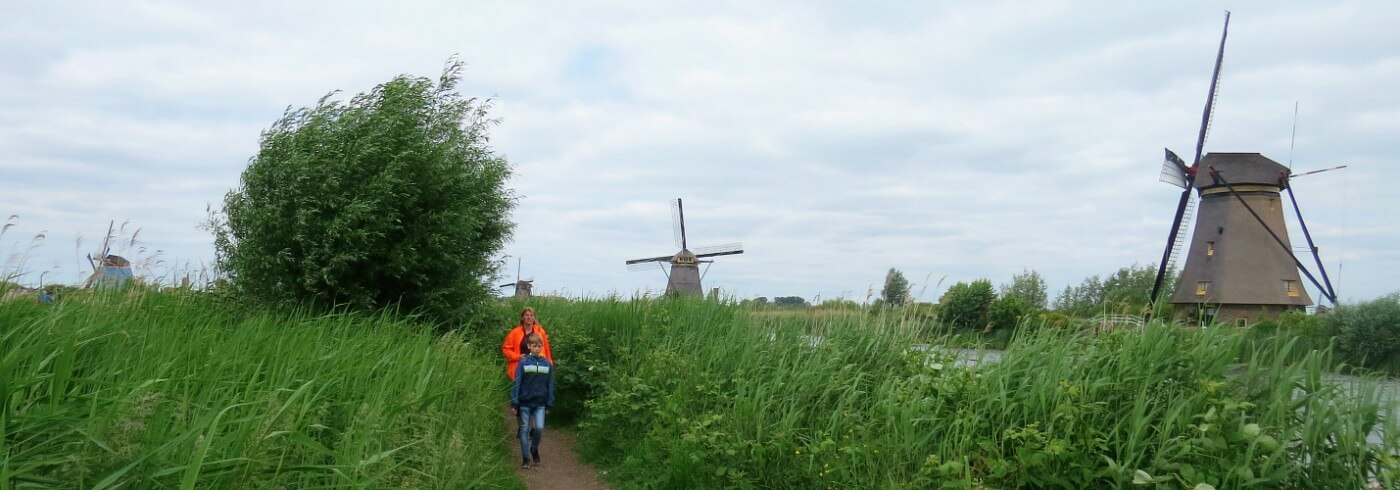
[684,276]
[1239,264]
[522,288]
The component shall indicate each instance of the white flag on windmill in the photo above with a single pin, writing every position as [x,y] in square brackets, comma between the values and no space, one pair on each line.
[1175,171]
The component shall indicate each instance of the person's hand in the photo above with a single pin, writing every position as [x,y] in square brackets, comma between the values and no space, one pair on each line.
[547,410]
[514,411]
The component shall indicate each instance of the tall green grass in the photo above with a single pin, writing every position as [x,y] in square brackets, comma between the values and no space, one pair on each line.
[705,395]
[148,390]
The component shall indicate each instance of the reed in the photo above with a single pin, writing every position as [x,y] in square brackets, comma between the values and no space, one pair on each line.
[699,394]
[142,389]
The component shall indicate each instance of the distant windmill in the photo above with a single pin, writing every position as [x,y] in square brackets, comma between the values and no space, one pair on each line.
[108,270]
[522,288]
[1240,263]
[684,276]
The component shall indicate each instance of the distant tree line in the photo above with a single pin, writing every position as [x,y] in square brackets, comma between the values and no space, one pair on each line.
[979,305]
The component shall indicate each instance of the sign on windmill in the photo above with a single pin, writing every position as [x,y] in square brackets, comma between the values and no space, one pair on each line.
[684,275]
[1239,264]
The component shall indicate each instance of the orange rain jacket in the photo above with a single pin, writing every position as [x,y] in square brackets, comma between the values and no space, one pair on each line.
[511,347]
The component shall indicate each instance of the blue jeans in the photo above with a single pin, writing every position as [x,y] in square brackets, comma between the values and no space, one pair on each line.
[531,430]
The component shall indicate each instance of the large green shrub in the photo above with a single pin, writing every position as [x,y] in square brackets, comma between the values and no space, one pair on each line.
[965,305]
[1368,333]
[394,198]
[1006,312]
[1304,331]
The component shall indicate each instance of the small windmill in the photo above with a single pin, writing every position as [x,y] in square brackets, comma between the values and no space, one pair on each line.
[684,276]
[108,270]
[522,288]
[1239,264]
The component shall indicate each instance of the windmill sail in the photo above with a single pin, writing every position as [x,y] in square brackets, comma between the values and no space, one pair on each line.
[726,249]
[645,265]
[1187,214]
[665,258]
[1172,240]
[678,222]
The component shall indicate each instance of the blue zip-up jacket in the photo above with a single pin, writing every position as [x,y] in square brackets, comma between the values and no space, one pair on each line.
[534,383]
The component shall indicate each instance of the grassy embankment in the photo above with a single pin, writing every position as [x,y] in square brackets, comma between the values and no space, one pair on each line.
[700,395]
[145,390]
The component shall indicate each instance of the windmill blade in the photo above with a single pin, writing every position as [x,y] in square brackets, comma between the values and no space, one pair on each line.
[678,222]
[1330,293]
[1173,243]
[726,249]
[716,254]
[1214,90]
[511,285]
[1195,163]
[666,258]
[645,266]
[1339,167]
[1187,217]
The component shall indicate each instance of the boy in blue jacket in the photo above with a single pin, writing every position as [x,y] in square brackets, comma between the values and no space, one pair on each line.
[531,398]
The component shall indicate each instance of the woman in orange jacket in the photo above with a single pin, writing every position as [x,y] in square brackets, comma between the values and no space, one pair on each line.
[514,346]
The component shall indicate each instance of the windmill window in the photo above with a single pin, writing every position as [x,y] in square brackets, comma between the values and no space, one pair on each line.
[1291,288]
[1210,249]
[1202,287]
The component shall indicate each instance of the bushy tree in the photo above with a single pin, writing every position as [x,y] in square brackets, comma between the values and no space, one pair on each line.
[1128,290]
[392,198]
[796,301]
[1368,333]
[896,290]
[1028,287]
[966,305]
[1006,312]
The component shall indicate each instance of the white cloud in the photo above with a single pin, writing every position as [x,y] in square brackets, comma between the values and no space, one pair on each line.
[952,141]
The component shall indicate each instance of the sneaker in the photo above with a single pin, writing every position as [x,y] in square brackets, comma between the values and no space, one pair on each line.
[535,453]
[525,465]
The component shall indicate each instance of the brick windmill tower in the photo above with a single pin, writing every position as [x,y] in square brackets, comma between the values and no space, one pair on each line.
[684,276]
[1240,264]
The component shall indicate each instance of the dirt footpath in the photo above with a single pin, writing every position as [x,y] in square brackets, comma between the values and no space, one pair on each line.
[559,466]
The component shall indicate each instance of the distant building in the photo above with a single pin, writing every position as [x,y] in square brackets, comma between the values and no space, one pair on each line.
[113,271]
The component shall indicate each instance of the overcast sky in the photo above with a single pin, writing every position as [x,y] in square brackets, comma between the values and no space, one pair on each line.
[952,141]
